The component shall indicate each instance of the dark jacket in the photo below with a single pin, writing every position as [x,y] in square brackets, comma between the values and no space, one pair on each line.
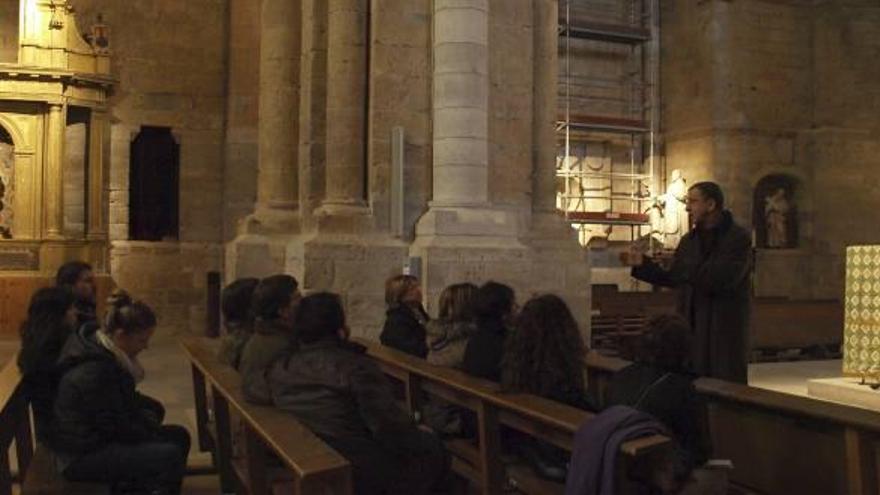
[269,341]
[97,403]
[711,270]
[341,395]
[38,363]
[597,444]
[447,341]
[482,356]
[232,344]
[86,312]
[670,397]
[404,330]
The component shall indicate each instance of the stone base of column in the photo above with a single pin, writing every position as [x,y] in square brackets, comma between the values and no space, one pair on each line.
[344,218]
[271,221]
[476,245]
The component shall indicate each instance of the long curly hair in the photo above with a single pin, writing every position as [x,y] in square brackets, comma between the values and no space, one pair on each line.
[544,355]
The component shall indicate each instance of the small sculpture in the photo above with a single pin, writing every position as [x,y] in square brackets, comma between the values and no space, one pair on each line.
[776,211]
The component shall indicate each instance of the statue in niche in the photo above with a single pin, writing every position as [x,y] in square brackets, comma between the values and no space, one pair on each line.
[675,216]
[6,190]
[776,211]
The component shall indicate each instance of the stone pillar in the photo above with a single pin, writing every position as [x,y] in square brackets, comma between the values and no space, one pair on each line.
[546,70]
[461,102]
[53,193]
[278,184]
[96,223]
[347,47]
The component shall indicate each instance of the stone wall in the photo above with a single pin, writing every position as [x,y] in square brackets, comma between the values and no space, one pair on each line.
[754,88]
[170,62]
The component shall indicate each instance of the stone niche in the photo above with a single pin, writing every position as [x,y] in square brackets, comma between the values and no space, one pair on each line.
[775,212]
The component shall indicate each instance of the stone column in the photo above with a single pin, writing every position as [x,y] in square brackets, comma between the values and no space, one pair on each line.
[461,102]
[545,79]
[278,184]
[53,192]
[96,223]
[347,47]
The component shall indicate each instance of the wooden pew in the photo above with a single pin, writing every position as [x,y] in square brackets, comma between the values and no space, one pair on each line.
[780,443]
[36,473]
[313,466]
[483,463]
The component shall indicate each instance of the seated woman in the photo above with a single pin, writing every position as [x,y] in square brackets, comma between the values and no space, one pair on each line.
[331,386]
[77,277]
[495,309]
[274,302]
[659,384]
[544,356]
[103,430]
[235,303]
[405,317]
[449,333]
[51,319]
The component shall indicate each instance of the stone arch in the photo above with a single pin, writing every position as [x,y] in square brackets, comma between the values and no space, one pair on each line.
[776,202]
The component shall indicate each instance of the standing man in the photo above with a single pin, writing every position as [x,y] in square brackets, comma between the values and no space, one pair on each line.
[710,269]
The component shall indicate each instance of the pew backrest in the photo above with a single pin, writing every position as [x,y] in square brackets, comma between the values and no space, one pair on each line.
[314,466]
[540,418]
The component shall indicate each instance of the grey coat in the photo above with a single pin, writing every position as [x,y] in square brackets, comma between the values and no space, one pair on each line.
[711,271]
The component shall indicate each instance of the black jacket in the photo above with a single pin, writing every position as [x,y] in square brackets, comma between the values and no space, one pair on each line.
[711,271]
[340,394]
[404,330]
[97,403]
[482,356]
[668,396]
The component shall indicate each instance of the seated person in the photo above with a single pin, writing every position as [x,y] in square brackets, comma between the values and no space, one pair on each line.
[51,319]
[103,430]
[495,310]
[77,277]
[235,302]
[405,317]
[659,384]
[545,354]
[274,302]
[331,386]
[449,333]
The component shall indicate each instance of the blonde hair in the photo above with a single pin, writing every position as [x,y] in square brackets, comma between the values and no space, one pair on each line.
[397,286]
[457,302]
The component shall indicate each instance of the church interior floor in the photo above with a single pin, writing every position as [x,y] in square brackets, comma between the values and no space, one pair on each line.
[791,377]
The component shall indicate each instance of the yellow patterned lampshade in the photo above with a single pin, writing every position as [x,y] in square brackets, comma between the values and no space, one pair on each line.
[861,333]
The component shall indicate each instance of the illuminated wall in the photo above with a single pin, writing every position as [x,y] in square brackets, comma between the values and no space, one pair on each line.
[861,336]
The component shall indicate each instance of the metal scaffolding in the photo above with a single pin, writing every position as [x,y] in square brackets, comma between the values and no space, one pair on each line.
[608,125]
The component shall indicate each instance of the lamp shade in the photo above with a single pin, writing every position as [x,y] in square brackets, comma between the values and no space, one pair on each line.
[861,333]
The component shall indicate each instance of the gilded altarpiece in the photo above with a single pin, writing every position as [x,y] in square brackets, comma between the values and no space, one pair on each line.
[861,336]
[57,80]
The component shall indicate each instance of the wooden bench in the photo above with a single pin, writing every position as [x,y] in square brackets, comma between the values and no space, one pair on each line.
[780,443]
[311,465]
[35,465]
[482,463]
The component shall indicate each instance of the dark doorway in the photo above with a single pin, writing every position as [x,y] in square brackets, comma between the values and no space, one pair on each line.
[154,174]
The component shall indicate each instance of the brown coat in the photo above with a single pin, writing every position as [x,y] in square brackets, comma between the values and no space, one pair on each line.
[711,273]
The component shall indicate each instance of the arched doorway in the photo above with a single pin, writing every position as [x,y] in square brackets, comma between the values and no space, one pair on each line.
[7,183]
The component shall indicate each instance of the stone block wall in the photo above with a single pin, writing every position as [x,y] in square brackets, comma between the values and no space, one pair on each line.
[753,88]
[170,62]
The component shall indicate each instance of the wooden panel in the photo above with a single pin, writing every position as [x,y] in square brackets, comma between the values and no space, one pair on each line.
[796,324]
[775,454]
